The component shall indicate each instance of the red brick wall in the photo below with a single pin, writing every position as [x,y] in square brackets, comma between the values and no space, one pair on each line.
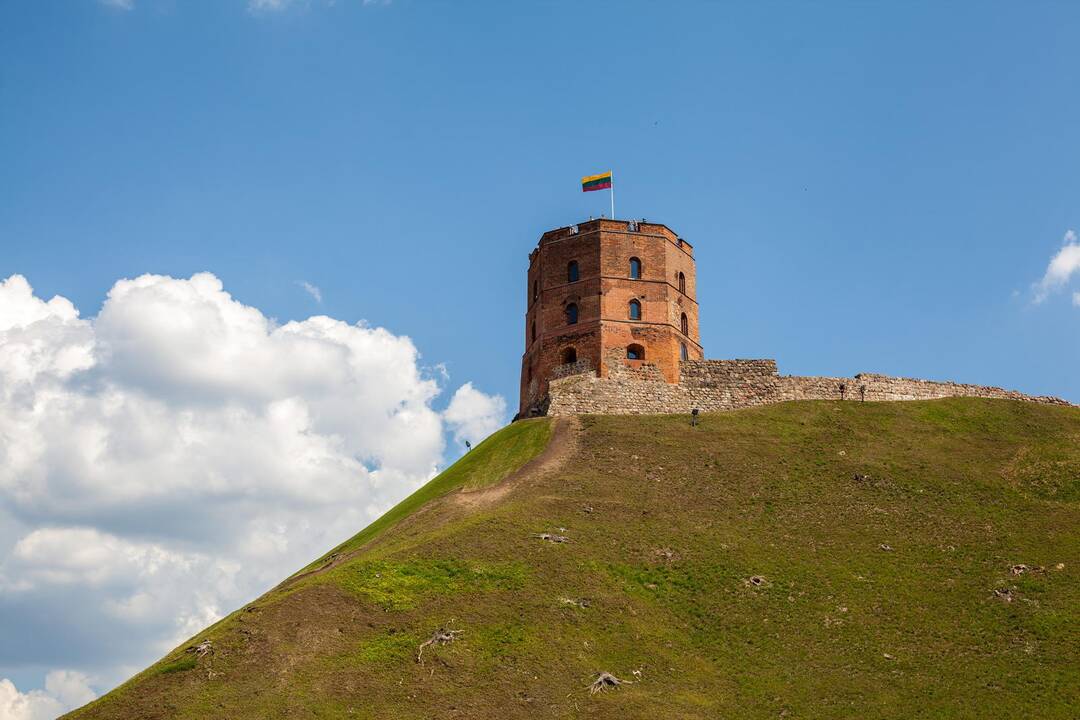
[603,249]
[548,265]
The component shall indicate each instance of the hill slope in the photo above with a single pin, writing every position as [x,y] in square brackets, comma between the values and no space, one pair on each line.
[800,560]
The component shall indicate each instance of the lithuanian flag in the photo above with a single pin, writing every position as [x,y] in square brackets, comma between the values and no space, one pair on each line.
[596,182]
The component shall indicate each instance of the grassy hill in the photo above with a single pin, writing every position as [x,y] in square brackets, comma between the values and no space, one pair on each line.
[819,559]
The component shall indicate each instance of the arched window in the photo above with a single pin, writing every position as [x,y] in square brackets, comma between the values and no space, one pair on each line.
[635,352]
[533,331]
[682,283]
[571,271]
[685,325]
[536,290]
[571,314]
[635,310]
[684,354]
[635,269]
[569,355]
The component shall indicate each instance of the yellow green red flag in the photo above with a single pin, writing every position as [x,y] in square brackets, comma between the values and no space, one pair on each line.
[596,182]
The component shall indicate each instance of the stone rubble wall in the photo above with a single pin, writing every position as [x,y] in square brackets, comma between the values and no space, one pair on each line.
[717,385]
[632,370]
[567,369]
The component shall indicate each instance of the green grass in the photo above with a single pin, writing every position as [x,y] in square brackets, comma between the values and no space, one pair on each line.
[401,585]
[881,532]
[502,453]
[389,649]
[181,665]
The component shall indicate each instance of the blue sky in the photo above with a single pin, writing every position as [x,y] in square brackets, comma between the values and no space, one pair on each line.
[868,187]
[865,186]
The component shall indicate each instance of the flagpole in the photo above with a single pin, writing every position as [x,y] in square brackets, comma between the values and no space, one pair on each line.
[612,196]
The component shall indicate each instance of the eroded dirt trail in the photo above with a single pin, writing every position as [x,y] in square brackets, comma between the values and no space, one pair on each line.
[563,446]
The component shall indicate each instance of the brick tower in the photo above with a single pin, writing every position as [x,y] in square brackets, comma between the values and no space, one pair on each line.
[605,295]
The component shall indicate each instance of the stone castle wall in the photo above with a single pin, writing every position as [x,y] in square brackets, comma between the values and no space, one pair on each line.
[717,385]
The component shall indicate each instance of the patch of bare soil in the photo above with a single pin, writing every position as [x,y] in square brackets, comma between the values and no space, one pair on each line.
[562,446]
[564,442]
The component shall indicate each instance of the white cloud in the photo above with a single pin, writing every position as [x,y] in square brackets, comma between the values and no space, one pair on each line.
[1061,268]
[268,5]
[1076,299]
[173,457]
[473,415]
[88,557]
[71,688]
[119,4]
[312,290]
[271,6]
[64,690]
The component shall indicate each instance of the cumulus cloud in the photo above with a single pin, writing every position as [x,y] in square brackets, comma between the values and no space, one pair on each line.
[171,458]
[64,690]
[312,290]
[1062,267]
[85,556]
[473,415]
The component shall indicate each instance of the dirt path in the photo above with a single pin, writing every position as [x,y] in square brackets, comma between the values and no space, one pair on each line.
[563,445]
[564,442]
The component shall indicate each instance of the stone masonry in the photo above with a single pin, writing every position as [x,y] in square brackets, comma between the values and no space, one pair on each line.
[717,385]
